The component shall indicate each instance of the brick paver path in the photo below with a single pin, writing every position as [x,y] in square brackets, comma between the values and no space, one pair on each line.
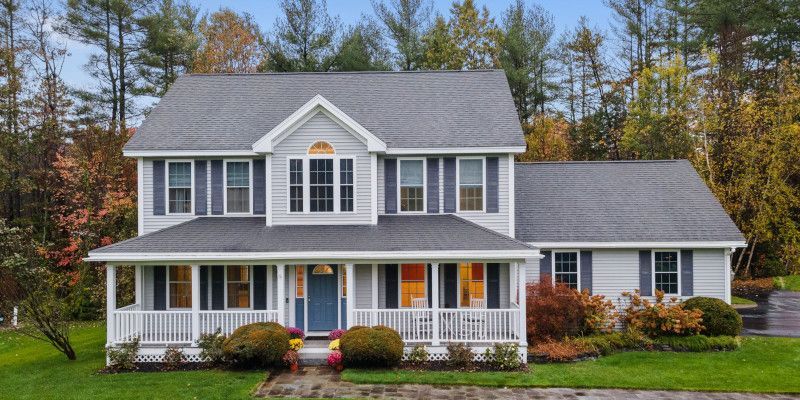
[323,382]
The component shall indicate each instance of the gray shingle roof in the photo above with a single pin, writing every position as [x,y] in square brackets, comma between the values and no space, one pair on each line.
[250,234]
[616,202]
[404,109]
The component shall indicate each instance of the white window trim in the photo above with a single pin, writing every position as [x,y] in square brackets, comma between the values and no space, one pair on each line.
[458,286]
[400,283]
[653,270]
[168,282]
[250,288]
[225,185]
[336,184]
[458,184]
[553,265]
[191,186]
[424,185]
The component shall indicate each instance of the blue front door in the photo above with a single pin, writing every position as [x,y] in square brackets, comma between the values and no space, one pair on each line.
[322,304]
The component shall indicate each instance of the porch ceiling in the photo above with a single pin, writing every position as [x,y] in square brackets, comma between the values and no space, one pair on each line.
[394,237]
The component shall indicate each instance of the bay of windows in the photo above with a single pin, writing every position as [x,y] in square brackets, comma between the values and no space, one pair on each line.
[321,184]
[665,265]
[237,186]
[179,184]
[346,185]
[470,184]
[565,268]
[296,185]
[412,185]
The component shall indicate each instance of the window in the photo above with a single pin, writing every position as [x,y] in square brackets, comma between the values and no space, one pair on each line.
[180,286]
[179,182]
[238,281]
[321,147]
[470,184]
[237,183]
[344,282]
[565,268]
[412,283]
[665,265]
[321,184]
[296,185]
[299,282]
[412,185]
[322,269]
[472,282]
[346,185]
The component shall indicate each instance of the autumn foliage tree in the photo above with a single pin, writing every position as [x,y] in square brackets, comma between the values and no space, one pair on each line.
[230,42]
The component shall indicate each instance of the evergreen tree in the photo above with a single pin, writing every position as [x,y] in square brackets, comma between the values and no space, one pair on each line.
[304,37]
[405,22]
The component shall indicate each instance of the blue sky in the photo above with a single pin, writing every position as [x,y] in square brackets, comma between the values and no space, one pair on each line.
[565,14]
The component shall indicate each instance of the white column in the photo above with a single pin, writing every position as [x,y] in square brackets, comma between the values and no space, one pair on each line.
[351,293]
[195,303]
[523,340]
[137,278]
[111,301]
[435,302]
[281,268]
[727,254]
[269,287]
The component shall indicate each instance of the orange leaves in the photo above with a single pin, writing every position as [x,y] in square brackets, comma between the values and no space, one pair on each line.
[659,318]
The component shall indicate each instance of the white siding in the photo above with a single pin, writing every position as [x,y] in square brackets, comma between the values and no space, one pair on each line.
[148,299]
[155,222]
[320,127]
[363,282]
[504,286]
[709,273]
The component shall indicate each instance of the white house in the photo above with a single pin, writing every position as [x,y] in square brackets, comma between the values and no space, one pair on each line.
[327,200]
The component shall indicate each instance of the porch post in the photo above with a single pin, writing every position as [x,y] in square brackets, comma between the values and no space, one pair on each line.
[137,279]
[523,340]
[281,268]
[351,293]
[111,301]
[435,302]
[195,303]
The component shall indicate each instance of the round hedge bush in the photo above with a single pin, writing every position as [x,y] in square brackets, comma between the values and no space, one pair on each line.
[379,346]
[719,318]
[261,344]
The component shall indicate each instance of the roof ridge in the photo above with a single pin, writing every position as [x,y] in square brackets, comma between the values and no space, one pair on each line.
[438,71]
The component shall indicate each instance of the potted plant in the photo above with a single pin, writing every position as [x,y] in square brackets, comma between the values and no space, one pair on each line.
[335,360]
[292,359]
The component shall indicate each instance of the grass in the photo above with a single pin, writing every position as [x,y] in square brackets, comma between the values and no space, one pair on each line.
[30,369]
[760,365]
[789,282]
[741,301]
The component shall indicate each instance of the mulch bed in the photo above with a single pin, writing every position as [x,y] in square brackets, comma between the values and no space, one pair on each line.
[442,366]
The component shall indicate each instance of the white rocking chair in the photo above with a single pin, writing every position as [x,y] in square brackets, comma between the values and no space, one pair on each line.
[422,321]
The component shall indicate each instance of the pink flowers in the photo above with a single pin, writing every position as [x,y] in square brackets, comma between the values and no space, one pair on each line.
[335,359]
[336,334]
[295,333]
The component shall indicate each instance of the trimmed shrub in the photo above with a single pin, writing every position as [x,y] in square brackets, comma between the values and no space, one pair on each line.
[553,312]
[503,356]
[418,355]
[123,357]
[562,350]
[752,288]
[719,318]
[661,318]
[262,344]
[211,347]
[699,343]
[459,355]
[379,346]
[609,343]
[173,359]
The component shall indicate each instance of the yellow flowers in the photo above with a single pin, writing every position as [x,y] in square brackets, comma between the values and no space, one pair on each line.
[334,345]
[296,344]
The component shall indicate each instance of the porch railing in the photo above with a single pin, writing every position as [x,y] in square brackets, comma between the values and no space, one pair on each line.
[175,326]
[454,325]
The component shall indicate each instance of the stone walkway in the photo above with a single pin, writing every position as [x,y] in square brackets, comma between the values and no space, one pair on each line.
[323,382]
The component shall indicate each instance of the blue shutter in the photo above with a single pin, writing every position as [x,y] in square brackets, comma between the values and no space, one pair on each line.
[259,287]
[159,287]
[492,185]
[450,285]
[586,270]
[218,287]
[159,191]
[433,185]
[204,287]
[493,285]
[429,284]
[645,273]
[217,198]
[687,273]
[200,178]
[546,266]
[391,286]
[390,181]
[259,186]
[449,185]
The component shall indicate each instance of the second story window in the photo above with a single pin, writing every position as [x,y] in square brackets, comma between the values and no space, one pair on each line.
[237,186]
[321,184]
[412,185]
[179,180]
[346,185]
[321,181]
[296,185]
[470,184]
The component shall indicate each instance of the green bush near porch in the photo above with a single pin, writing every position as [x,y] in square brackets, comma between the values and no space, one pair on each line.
[260,344]
[378,346]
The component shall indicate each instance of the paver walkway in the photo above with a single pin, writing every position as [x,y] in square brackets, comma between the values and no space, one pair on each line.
[323,382]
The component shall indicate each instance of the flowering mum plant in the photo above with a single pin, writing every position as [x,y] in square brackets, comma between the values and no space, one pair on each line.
[296,344]
[336,334]
[296,333]
[335,359]
[334,345]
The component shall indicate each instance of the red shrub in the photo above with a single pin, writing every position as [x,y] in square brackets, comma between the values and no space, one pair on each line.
[553,312]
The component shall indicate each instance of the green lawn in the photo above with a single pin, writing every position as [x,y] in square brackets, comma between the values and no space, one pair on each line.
[790,282]
[30,369]
[740,301]
[761,365]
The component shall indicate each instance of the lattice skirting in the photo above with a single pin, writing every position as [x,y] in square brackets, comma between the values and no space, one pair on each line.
[439,353]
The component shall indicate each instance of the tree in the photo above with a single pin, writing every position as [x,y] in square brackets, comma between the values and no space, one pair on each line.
[547,139]
[440,48]
[405,21]
[13,183]
[229,43]
[169,45]
[476,35]
[305,37]
[362,49]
